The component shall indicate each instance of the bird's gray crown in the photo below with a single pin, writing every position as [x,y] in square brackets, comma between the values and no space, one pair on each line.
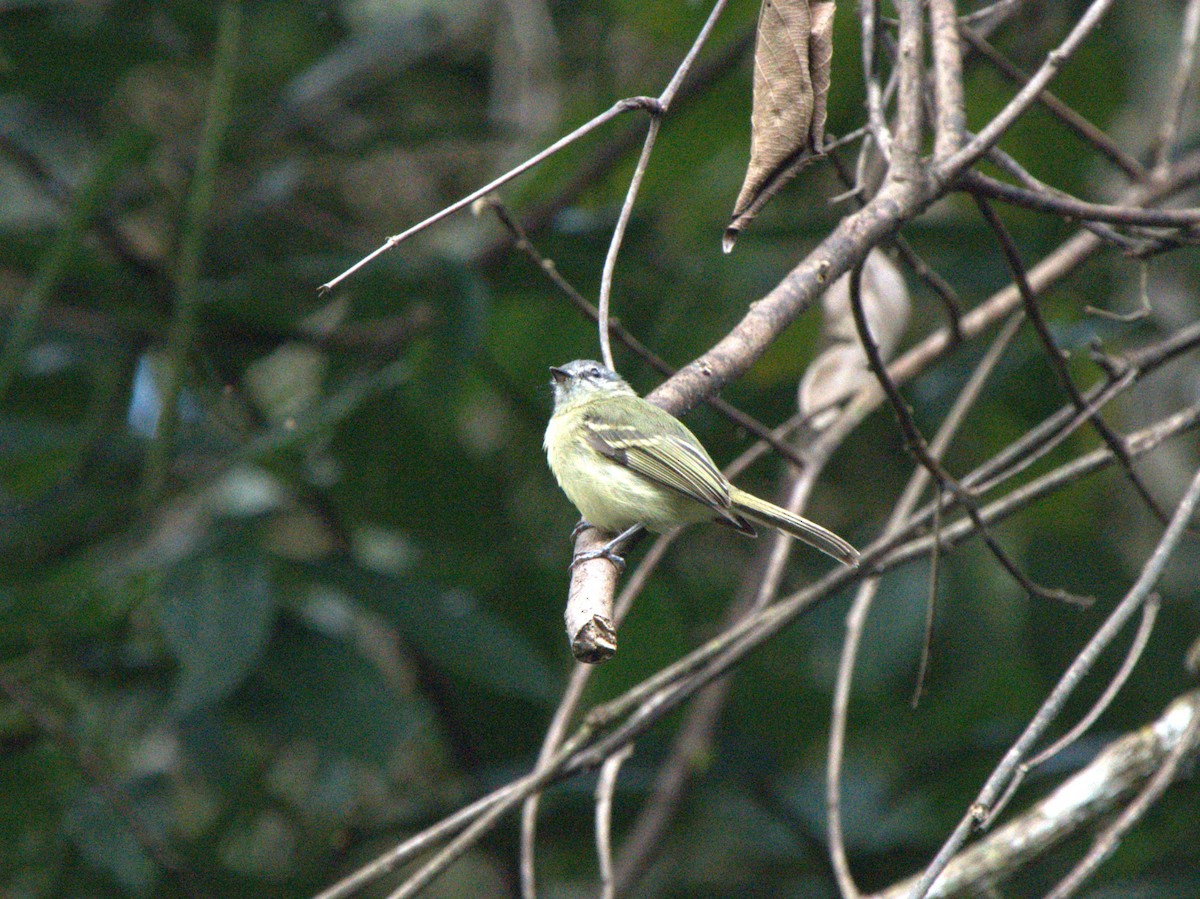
[582,377]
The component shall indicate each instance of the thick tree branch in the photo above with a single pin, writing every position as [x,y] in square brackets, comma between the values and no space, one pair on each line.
[1121,768]
[996,784]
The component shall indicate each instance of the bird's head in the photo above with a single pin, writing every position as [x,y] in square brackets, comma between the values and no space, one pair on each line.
[583,378]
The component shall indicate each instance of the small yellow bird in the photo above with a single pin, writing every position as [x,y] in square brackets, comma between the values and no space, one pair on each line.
[624,462]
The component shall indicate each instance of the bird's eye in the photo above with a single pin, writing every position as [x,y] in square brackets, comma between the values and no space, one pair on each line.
[593,372]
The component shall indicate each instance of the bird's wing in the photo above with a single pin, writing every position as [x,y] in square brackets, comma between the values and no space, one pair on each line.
[670,456]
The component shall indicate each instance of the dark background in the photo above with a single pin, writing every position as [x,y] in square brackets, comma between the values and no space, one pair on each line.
[246,652]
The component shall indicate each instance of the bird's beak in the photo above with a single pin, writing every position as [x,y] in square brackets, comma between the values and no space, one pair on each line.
[558,374]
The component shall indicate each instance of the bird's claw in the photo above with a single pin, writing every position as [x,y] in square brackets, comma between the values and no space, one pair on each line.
[603,553]
[583,525]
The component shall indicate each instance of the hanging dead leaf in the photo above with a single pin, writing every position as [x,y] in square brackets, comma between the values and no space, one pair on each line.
[792,59]
[841,369]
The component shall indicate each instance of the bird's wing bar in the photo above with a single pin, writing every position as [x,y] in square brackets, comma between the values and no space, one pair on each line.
[664,459]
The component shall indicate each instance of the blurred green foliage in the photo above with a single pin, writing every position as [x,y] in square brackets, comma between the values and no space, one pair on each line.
[339,617]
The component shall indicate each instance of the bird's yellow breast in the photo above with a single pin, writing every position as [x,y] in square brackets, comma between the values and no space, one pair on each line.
[606,493]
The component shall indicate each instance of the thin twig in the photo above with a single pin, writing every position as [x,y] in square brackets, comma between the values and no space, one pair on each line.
[621,106]
[935,569]
[1107,842]
[942,289]
[992,16]
[1043,438]
[1143,309]
[618,330]
[635,182]
[431,836]
[1018,455]
[540,210]
[1185,65]
[197,211]
[606,785]
[1101,230]
[1069,207]
[1054,354]
[688,747]
[1053,704]
[1136,648]
[1097,139]
[614,247]
[860,608]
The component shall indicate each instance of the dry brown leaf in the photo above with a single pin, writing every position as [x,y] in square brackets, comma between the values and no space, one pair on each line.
[792,59]
[841,369]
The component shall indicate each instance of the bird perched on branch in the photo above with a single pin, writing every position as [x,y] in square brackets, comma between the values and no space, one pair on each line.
[626,463]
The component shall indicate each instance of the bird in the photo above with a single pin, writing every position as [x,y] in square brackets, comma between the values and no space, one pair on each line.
[626,463]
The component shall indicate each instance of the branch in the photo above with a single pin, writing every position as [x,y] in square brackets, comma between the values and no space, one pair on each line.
[1054,354]
[910,107]
[859,609]
[621,106]
[950,118]
[1088,132]
[1164,144]
[567,705]
[947,169]
[1081,210]
[994,787]
[1121,768]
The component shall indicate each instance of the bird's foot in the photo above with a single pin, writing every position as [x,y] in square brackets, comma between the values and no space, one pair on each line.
[608,550]
[583,525]
[604,552]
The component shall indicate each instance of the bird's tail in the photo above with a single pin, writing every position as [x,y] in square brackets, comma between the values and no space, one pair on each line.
[801,528]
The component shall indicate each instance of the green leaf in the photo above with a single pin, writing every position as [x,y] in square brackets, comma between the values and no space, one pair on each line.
[459,633]
[314,687]
[216,613]
[105,841]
